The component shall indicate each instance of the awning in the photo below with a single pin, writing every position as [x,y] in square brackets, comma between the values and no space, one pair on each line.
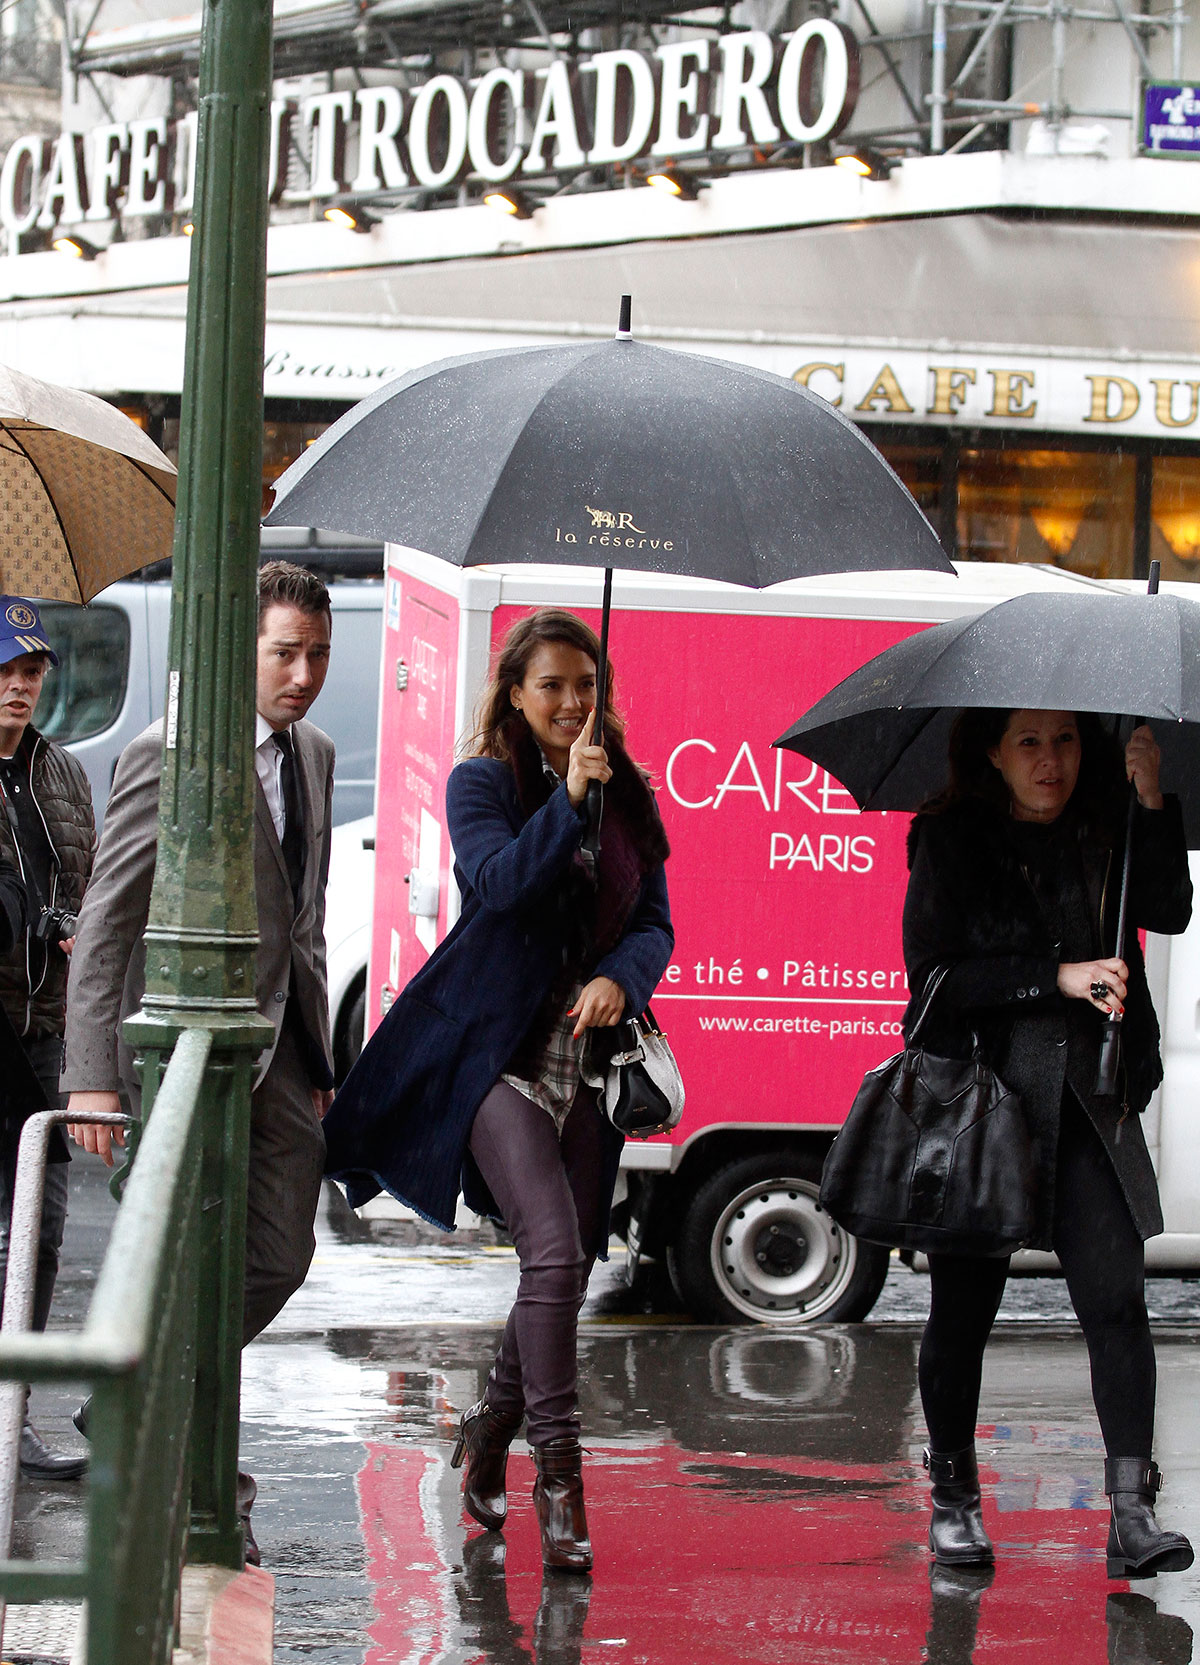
[981,319]
[962,279]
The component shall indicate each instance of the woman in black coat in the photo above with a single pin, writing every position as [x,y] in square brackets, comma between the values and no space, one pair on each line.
[474,1076]
[1015,871]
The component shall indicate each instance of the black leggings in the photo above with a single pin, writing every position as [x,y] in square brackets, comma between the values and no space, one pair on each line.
[1104,1263]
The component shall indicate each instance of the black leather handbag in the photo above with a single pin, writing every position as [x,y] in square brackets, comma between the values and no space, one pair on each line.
[935,1154]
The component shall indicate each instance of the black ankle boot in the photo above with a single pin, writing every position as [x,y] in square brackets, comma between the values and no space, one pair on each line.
[1137,1545]
[956,1534]
[484,1436]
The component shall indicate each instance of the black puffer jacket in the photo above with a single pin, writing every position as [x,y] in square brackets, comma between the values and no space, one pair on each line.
[33,984]
[969,903]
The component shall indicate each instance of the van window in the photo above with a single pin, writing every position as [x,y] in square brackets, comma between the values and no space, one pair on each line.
[85,693]
[348,707]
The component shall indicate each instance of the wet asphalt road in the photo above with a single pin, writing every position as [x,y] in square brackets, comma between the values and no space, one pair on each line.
[754,1495]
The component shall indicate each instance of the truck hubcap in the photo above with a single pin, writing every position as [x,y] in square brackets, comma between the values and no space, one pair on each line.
[777,1255]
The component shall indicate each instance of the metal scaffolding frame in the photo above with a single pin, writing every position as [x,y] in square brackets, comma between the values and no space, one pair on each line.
[951,73]
[944,95]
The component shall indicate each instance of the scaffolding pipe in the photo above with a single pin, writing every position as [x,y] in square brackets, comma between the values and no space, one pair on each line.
[1058,65]
[1134,38]
[981,45]
[937,95]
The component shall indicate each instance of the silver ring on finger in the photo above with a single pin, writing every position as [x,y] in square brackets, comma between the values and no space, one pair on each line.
[1100,992]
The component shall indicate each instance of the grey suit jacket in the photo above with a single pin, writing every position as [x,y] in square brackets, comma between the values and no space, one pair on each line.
[108,966]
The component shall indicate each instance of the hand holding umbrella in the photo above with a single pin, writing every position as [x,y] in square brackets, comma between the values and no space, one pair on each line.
[1142,769]
[588,770]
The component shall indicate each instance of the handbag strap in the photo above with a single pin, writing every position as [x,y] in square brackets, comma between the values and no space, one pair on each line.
[932,984]
[649,1019]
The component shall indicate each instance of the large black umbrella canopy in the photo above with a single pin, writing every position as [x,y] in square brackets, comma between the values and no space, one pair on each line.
[610,454]
[884,731]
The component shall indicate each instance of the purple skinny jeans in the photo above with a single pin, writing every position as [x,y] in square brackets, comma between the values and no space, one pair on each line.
[547,1188]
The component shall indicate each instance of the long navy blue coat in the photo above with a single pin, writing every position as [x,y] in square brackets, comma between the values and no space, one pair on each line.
[403,1118]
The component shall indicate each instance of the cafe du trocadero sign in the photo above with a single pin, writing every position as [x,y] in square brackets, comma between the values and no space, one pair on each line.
[744,89]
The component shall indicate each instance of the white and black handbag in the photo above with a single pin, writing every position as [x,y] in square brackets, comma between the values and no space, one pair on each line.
[641,1089]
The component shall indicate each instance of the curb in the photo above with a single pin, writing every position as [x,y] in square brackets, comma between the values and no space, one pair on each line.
[226,1618]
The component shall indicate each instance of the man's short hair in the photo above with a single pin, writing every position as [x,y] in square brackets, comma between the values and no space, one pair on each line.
[284,584]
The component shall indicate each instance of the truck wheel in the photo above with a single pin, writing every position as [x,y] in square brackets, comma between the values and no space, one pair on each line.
[756,1245]
[349,1041]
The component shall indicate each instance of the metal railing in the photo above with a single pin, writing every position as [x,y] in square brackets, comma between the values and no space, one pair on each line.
[137,1354]
[161,1346]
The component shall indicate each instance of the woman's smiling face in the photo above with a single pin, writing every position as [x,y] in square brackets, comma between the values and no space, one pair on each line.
[558,691]
[1039,756]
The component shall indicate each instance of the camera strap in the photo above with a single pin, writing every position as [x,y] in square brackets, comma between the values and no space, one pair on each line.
[32,884]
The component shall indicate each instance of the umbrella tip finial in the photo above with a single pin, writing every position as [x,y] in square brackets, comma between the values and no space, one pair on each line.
[625,327]
[1155,572]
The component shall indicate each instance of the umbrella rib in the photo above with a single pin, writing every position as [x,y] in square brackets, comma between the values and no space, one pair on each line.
[151,475]
[932,712]
[567,370]
[941,654]
[1179,662]
[53,509]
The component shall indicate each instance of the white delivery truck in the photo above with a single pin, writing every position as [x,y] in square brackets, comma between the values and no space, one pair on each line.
[788,980]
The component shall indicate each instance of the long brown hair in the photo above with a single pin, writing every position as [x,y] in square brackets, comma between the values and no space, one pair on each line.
[1100,792]
[498,723]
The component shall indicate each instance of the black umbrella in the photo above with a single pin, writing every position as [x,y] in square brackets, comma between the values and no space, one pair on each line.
[610,454]
[884,731]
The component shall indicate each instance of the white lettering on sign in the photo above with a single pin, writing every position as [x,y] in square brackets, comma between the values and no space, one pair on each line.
[745,89]
[698,778]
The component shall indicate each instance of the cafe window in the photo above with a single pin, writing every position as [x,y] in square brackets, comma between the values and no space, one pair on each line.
[283,442]
[1175,517]
[83,694]
[1072,509]
[921,468]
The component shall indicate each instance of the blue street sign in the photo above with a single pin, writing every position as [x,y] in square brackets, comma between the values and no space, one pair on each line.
[1170,119]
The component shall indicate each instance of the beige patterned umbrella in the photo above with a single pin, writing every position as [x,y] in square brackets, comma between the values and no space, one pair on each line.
[85,497]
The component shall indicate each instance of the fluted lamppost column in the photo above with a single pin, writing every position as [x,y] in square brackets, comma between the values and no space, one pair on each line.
[203,925]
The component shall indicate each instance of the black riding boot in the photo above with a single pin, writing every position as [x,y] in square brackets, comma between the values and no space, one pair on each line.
[484,1436]
[1137,1545]
[956,1534]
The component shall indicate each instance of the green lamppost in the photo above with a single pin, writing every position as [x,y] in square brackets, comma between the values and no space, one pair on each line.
[203,925]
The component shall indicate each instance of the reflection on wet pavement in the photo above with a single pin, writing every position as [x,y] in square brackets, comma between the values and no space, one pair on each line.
[754,1496]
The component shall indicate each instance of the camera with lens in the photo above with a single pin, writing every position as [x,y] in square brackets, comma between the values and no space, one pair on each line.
[54,924]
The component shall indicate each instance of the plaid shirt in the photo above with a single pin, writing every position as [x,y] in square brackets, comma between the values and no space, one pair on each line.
[558,1071]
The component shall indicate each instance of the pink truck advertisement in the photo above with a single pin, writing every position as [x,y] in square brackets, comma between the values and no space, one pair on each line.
[787,982]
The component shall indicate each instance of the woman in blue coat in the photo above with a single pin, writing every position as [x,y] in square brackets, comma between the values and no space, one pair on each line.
[474,1073]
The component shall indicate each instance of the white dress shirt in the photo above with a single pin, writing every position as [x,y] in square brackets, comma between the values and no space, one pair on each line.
[268,760]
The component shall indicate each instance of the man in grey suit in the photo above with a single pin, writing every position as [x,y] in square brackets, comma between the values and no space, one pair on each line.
[294,1080]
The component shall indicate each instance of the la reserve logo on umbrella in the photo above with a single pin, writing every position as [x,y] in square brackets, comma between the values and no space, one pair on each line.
[615,529]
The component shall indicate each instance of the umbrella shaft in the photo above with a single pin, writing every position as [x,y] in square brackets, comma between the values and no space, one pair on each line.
[595,793]
[602,667]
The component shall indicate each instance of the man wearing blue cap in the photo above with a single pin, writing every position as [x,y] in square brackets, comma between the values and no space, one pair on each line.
[48,833]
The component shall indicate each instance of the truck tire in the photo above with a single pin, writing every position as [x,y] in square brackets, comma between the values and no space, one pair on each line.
[349,1039]
[755,1246]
